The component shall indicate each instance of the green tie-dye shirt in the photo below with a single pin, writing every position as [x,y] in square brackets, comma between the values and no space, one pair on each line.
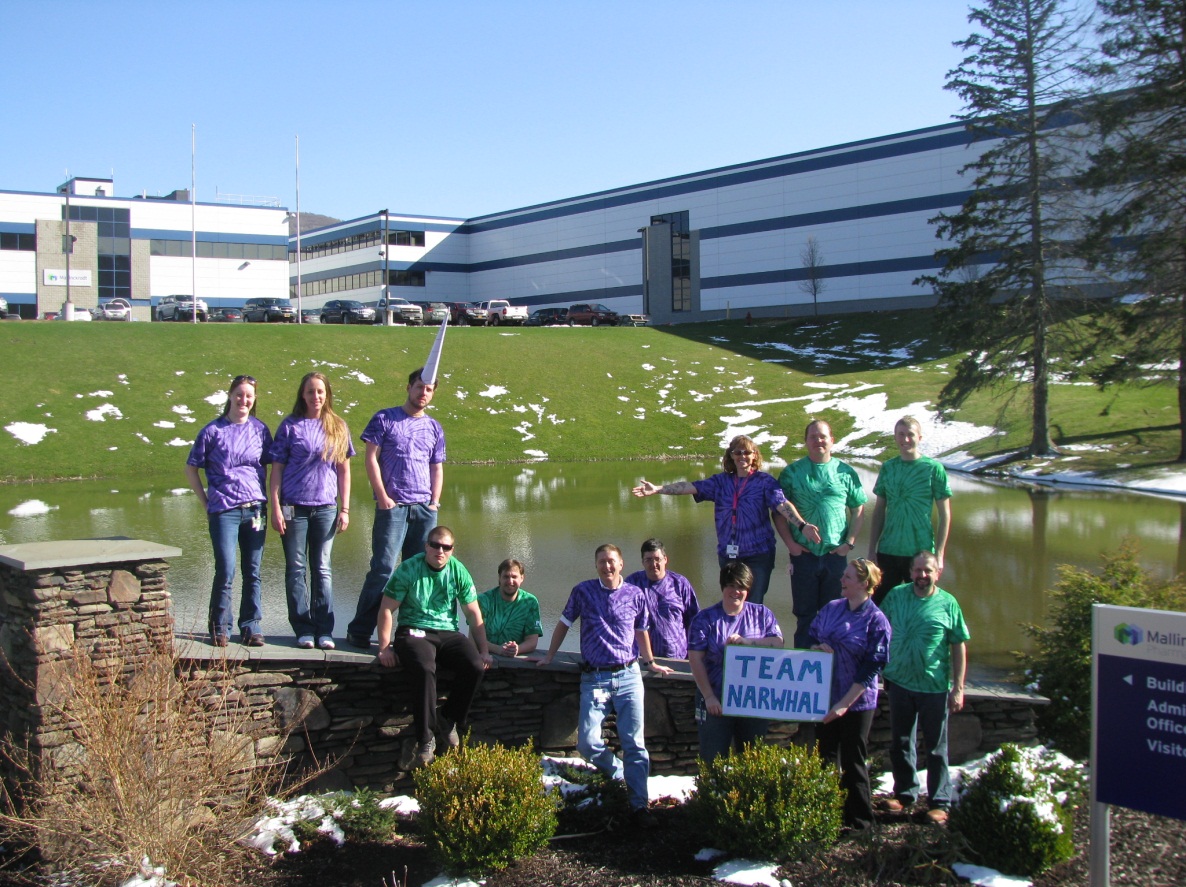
[923,631]
[910,490]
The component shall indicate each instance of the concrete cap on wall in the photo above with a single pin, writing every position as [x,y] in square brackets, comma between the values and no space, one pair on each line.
[83,552]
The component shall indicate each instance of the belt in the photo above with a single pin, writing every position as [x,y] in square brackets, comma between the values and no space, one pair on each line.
[590,669]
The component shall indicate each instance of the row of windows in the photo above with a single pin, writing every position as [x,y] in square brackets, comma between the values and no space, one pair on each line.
[357,281]
[359,241]
[23,242]
[208,250]
[98,214]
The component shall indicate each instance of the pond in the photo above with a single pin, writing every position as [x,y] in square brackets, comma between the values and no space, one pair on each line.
[1006,542]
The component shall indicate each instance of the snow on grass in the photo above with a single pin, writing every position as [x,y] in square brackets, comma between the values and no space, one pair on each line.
[492,391]
[100,413]
[538,455]
[747,871]
[986,877]
[164,424]
[29,433]
[178,442]
[32,508]
[361,377]
[101,394]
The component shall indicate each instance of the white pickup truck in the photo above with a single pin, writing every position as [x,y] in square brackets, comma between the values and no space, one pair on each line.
[500,311]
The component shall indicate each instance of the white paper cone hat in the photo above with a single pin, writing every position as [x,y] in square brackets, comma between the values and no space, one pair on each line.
[429,375]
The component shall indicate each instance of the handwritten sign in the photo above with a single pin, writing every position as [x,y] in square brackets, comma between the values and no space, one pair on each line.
[781,685]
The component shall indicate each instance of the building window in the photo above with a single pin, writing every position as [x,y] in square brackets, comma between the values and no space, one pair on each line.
[368,239]
[406,278]
[23,242]
[113,225]
[219,250]
[681,258]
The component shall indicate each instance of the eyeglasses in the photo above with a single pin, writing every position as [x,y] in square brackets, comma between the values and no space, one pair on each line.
[745,453]
[440,546]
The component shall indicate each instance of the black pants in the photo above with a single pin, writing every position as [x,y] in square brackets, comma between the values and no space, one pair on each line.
[844,742]
[421,656]
[895,569]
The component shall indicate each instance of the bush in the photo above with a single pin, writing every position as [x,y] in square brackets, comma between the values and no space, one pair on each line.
[769,801]
[482,807]
[360,817]
[1016,812]
[1059,667]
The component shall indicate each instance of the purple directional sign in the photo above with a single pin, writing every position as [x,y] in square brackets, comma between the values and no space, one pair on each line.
[1139,709]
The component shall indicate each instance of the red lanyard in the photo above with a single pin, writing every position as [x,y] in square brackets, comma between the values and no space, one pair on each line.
[738,488]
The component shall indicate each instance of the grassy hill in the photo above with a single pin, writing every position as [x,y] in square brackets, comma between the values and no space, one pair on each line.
[111,399]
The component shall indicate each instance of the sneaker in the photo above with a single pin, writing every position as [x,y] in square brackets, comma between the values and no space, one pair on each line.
[218,640]
[425,754]
[642,819]
[305,642]
[357,640]
[325,642]
[937,815]
[447,731]
[253,639]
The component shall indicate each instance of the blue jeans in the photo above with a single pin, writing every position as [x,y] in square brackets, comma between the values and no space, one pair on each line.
[814,582]
[761,565]
[908,711]
[398,534]
[308,541]
[721,734]
[242,528]
[620,692]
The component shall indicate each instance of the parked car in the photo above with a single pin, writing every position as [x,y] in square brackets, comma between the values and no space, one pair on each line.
[591,315]
[346,311]
[116,309]
[548,317]
[269,310]
[181,308]
[311,315]
[227,315]
[402,311]
[434,312]
[49,315]
[3,306]
[501,312]
[79,314]
[466,314]
[633,319]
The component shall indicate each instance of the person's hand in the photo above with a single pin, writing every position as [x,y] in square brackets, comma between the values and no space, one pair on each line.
[795,549]
[835,713]
[384,503]
[487,659]
[387,657]
[510,648]
[645,488]
[811,533]
[278,523]
[660,669]
[823,648]
[712,705]
[547,660]
[343,521]
[955,699]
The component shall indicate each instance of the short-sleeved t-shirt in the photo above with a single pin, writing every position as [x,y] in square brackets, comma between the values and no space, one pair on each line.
[756,496]
[428,598]
[407,446]
[609,619]
[823,492]
[509,620]
[923,631]
[233,455]
[308,479]
[910,490]
[672,602]
[712,628]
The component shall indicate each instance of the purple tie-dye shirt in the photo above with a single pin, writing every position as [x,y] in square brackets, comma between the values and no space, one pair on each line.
[608,621]
[233,457]
[860,640]
[712,628]
[308,479]
[672,602]
[407,446]
[757,496]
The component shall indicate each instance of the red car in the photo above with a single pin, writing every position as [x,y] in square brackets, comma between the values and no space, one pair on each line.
[591,315]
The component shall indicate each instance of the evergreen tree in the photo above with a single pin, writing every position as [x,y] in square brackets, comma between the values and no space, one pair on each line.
[1007,253]
[1139,172]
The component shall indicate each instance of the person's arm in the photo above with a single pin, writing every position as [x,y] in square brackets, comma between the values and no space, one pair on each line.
[436,479]
[343,470]
[278,522]
[679,488]
[783,529]
[477,631]
[943,529]
[642,637]
[876,525]
[768,641]
[386,619]
[375,475]
[959,667]
[528,645]
[790,515]
[195,484]
[840,708]
[558,636]
[700,674]
[856,517]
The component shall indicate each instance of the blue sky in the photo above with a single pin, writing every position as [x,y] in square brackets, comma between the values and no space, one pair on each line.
[454,108]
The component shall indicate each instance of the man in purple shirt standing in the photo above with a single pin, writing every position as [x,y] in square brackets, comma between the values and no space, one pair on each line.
[671,601]
[405,463]
[614,625]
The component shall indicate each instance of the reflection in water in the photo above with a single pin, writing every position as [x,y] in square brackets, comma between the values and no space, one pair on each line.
[1005,544]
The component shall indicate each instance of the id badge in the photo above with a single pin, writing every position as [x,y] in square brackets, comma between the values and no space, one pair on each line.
[257,522]
[415,633]
[288,512]
[732,550]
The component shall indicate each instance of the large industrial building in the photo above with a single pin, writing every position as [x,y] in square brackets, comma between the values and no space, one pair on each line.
[702,246]
[139,249]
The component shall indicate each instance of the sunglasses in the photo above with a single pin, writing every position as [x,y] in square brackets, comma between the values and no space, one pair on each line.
[440,546]
[239,380]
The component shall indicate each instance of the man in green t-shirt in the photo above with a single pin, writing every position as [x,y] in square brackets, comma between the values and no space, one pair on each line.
[828,494]
[511,614]
[928,658]
[425,591]
[908,488]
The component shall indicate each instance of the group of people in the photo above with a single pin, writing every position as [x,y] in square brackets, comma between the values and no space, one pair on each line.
[415,586]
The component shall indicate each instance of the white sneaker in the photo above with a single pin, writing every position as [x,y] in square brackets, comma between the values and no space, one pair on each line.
[305,642]
[325,642]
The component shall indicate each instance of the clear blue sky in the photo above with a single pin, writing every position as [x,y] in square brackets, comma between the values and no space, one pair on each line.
[454,108]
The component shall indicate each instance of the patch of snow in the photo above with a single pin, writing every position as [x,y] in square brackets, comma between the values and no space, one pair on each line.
[100,413]
[178,442]
[361,377]
[492,391]
[747,871]
[216,399]
[29,433]
[164,424]
[986,877]
[101,394]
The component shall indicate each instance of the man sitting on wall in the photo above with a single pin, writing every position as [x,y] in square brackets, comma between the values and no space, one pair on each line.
[511,614]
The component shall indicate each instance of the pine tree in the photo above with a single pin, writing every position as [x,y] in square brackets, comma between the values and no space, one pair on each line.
[1006,259]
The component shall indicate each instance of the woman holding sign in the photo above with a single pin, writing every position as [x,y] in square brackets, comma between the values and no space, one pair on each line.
[857,633]
[733,621]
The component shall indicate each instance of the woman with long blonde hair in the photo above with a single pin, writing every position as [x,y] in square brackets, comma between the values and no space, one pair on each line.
[310,473]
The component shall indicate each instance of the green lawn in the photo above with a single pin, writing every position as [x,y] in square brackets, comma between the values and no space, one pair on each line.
[574,394]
